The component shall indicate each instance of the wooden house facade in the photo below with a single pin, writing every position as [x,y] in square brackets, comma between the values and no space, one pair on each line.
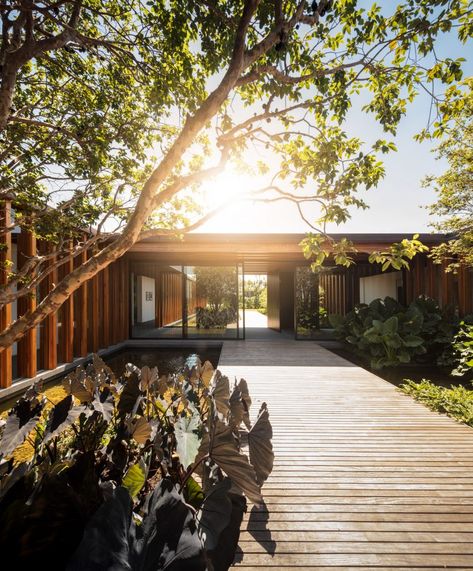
[152,292]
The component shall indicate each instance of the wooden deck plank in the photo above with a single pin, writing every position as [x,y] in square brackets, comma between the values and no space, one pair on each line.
[364,477]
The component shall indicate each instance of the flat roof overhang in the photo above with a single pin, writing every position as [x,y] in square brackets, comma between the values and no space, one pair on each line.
[259,252]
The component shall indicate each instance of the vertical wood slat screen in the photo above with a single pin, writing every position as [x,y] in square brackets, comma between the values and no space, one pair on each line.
[48,327]
[66,313]
[5,311]
[333,290]
[85,317]
[27,346]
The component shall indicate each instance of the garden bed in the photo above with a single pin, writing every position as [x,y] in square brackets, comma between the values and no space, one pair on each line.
[439,376]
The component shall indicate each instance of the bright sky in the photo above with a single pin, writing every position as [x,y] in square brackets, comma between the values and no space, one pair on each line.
[397,205]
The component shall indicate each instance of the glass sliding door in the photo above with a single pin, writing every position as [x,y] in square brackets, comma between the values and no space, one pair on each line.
[186,301]
[307,303]
[212,301]
[157,296]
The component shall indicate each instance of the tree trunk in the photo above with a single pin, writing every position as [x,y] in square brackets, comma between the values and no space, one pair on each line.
[148,201]
[7,89]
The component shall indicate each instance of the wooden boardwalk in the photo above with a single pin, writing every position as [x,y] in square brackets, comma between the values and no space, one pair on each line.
[364,477]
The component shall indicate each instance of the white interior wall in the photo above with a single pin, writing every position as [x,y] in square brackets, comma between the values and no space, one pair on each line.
[145,298]
[382,285]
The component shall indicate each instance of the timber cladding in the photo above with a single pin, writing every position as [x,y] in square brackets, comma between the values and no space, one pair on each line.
[98,314]
[94,317]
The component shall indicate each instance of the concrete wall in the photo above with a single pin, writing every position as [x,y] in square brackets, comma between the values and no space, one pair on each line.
[381,285]
[145,298]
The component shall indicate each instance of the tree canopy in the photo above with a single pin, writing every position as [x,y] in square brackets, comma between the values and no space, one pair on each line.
[112,113]
[454,187]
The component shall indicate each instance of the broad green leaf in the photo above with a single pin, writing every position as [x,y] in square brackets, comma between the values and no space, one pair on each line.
[135,478]
[187,439]
[193,493]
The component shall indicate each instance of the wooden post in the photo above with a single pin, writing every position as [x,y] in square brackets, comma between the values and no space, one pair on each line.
[126,277]
[66,339]
[27,346]
[105,340]
[6,373]
[80,313]
[48,335]
[118,318]
[445,286]
[114,302]
[94,314]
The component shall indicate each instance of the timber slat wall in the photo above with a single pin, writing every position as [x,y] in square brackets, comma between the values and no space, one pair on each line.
[94,317]
[451,290]
[5,311]
[48,327]
[364,477]
[342,287]
[334,292]
[27,346]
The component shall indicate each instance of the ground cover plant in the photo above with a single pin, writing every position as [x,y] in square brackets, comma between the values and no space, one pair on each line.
[456,402]
[389,334]
[462,350]
[138,472]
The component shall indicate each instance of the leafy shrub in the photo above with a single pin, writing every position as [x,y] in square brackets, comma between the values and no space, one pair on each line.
[457,402]
[462,350]
[208,318]
[390,334]
[141,472]
[308,319]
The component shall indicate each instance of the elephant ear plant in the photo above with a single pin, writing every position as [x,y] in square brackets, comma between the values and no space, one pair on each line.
[143,472]
[389,334]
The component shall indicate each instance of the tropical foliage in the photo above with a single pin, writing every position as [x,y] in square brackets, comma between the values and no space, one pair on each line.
[138,472]
[398,255]
[457,402]
[310,299]
[208,318]
[389,334]
[112,113]
[461,350]
[454,207]
[256,294]
[219,288]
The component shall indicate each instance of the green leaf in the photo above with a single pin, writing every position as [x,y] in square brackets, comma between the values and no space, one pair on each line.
[391,325]
[187,439]
[135,478]
[193,493]
[413,341]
